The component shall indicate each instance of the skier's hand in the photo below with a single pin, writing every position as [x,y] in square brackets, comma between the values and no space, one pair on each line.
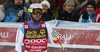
[55,38]
[55,34]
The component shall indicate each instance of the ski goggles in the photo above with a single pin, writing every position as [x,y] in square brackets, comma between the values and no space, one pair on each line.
[35,11]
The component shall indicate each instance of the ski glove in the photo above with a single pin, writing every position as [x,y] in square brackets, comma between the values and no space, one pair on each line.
[20,13]
[85,14]
[55,34]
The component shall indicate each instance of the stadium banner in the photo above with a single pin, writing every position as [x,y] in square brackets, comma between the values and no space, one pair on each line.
[71,33]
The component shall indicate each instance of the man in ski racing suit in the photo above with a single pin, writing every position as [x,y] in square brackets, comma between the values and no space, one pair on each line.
[34,33]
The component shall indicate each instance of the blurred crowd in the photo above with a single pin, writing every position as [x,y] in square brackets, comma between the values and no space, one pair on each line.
[84,11]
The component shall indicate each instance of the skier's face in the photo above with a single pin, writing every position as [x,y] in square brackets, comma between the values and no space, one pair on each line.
[37,16]
[90,9]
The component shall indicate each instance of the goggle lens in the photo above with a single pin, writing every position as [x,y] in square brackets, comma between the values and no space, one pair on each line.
[35,11]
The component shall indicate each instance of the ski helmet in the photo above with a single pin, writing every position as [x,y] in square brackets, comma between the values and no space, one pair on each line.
[35,6]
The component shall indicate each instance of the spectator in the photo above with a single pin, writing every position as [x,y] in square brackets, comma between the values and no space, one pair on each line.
[88,15]
[48,13]
[78,5]
[3,1]
[7,5]
[68,13]
[15,11]
[27,1]
[50,1]
[2,13]
[2,9]
[55,6]
[35,1]
[57,2]
[83,5]
[97,3]
[97,16]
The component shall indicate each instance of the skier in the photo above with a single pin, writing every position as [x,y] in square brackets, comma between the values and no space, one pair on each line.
[34,33]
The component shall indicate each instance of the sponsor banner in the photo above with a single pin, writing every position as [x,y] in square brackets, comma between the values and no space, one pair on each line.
[79,36]
[7,34]
[67,36]
[70,32]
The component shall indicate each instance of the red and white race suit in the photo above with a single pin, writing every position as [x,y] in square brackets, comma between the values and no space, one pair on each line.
[35,40]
